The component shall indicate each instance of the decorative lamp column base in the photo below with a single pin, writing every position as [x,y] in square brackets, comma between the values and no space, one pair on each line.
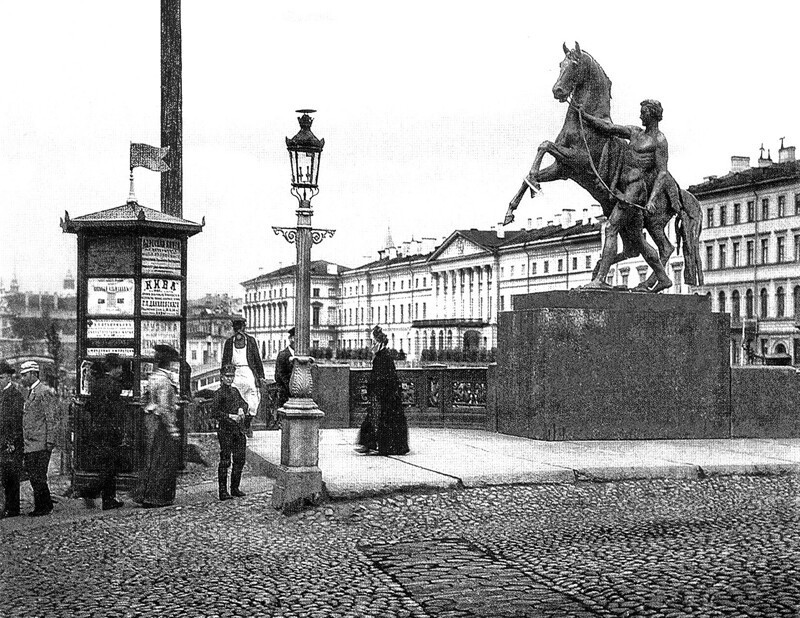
[299,479]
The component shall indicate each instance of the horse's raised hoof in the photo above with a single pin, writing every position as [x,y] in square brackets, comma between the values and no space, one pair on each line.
[641,289]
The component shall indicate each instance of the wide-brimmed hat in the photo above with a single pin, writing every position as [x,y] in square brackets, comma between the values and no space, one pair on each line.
[6,368]
[228,369]
[166,352]
[29,366]
[112,360]
[238,320]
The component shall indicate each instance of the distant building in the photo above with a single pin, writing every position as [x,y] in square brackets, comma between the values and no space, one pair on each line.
[443,295]
[208,325]
[751,251]
[269,306]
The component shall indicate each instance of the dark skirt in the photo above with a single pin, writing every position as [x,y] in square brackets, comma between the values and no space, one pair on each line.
[156,484]
[384,429]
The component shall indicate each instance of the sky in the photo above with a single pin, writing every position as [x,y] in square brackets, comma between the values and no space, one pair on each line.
[431,114]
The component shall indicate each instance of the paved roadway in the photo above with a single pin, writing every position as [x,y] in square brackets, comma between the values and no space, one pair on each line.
[720,546]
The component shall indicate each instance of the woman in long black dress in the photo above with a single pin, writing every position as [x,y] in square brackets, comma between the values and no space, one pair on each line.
[385,429]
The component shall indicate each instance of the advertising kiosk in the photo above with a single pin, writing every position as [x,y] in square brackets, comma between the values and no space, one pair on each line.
[131,295]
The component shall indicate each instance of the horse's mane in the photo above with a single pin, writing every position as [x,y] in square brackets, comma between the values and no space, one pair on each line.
[600,70]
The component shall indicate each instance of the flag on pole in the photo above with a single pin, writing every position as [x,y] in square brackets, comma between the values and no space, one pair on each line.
[150,157]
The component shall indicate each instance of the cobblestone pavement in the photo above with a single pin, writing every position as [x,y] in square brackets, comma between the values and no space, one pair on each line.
[714,547]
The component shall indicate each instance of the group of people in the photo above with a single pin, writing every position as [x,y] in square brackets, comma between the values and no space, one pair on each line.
[28,431]
[28,421]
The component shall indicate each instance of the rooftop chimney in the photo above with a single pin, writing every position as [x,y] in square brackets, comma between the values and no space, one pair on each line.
[785,154]
[332,270]
[566,216]
[539,223]
[549,223]
[530,223]
[586,218]
[762,162]
[501,231]
[558,219]
[739,164]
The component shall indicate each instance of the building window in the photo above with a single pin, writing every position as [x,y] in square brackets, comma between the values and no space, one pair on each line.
[512,271]
[781,206]
[351,317]
[710,217]
[765,209]
[546,266]
[394,313]
[797,206]
[723,256]
[560,265]
[423,311]
[748,304]
[797,247]
[424,282]
[315,292]
[721,302]
[588,261]
[709,257]
[735,255]
[574,263]
[781,249]
[315,315]
[737,213]
[194,355]
[401,314]
[502,303]
[764,250]
[723,214]
[735,305]
[751,211]
[763,302]
[780,302]
[625,279]
[533,268]
[751,253]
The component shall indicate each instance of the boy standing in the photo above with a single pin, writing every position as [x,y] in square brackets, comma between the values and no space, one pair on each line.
[229,408]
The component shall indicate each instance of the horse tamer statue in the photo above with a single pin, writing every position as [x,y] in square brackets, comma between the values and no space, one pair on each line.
[625,169]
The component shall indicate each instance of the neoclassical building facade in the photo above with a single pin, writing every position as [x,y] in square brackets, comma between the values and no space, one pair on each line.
[751,251]
[441,295]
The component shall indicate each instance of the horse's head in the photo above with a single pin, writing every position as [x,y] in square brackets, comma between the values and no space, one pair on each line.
[570,72]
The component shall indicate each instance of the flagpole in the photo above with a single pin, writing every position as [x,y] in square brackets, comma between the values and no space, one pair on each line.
[131,194]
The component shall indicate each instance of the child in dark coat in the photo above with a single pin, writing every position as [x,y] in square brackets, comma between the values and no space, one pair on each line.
[230,409]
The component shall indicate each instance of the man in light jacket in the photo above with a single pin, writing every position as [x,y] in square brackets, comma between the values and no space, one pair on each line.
[39,432]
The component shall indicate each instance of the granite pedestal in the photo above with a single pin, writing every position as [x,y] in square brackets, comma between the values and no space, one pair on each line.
[613,366]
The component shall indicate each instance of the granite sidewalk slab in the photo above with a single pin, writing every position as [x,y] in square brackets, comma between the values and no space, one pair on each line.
[442,458]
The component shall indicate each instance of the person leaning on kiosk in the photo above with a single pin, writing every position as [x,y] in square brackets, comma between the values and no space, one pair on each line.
[241,350]
[157,478]
[12,443]
[107,410]
[39,431]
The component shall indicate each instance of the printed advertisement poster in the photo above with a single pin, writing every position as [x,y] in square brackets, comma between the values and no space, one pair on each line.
[161,297]
[161,256]
[101,352]
[110,296]
[159,331]
[109,329]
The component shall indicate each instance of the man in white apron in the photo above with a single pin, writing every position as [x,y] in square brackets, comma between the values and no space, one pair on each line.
[241,350]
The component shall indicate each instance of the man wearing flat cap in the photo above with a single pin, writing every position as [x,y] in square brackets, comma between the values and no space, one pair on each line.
[39,432]
[106,410]
[241,351]
[283,369]
[12,402]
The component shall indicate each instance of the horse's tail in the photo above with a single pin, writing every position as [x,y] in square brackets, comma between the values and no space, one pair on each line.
[688,225]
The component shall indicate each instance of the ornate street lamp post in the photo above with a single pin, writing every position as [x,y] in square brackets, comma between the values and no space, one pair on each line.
[300,479]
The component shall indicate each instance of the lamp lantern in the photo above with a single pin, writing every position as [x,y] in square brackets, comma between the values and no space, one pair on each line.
[305,151]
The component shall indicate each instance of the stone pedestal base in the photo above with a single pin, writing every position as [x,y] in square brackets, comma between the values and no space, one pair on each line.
[613,366]
[299,479]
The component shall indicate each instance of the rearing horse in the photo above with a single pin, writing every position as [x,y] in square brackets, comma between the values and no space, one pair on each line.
[595,161]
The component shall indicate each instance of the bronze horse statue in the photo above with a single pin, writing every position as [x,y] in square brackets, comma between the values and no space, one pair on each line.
[595,161]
